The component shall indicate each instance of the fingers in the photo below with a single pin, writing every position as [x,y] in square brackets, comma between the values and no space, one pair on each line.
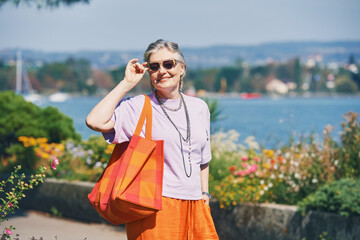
[132,61]
[139,68]
[145,66]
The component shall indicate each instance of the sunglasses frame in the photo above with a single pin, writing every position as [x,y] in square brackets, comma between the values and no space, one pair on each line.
[161,63]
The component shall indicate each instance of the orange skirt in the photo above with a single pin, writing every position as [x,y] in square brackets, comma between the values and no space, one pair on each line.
[178,220]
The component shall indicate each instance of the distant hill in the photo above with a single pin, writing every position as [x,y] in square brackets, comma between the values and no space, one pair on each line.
[212,56]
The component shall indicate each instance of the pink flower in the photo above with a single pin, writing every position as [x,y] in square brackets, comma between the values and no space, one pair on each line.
[256,159]
[253,168]
[11,205]
[245,158]
[244,165]
[239,173]
[8,232]
[53,166]
[56,161]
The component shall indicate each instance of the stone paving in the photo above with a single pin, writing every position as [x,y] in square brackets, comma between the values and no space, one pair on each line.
[37,224]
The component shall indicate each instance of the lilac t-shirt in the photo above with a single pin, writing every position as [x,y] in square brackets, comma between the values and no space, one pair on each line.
[175,184]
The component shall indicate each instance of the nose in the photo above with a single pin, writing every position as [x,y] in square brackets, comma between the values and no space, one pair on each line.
[162,70]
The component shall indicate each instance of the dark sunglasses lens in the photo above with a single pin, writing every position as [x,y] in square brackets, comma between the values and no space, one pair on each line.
[169,64]
[154,66]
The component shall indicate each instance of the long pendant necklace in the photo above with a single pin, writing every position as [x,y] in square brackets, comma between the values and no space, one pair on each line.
[188,131]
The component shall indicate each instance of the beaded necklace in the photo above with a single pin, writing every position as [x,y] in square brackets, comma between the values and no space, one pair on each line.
[161,102]
[188,130]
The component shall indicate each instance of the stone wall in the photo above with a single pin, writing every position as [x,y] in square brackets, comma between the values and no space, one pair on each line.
[244,222]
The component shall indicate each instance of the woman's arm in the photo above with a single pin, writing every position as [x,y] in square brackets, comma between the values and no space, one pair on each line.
[99,119]
[204,178]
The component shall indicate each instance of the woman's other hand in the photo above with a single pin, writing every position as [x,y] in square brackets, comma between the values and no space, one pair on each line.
[206,199]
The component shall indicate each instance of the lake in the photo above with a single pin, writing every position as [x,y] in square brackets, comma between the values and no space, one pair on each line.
[271,121]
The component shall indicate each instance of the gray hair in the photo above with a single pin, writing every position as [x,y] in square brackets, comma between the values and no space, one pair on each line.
[171,46]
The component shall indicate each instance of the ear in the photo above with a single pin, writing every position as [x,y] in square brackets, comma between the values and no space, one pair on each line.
[182,70]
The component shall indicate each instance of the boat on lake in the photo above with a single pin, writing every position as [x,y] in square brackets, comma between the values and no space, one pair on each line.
[247,96]
[23,84]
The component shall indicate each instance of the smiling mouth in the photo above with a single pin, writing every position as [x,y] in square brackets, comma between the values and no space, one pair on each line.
[162,79]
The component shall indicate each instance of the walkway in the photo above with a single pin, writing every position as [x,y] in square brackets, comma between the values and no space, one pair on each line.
[36,224]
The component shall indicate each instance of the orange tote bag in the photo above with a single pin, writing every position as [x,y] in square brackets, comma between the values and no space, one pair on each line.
[130,188]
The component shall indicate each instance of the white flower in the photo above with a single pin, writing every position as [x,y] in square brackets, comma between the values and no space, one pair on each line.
[297,175]
[281,175]
[270,185]
[314,180]
[262,182]
[262,192]
[250,141]
[272,176]
[266,188]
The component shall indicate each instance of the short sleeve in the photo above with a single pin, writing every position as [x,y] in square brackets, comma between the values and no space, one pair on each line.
[206,152]
[125,117]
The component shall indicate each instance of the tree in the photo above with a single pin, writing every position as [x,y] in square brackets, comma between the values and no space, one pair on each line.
[345,84]
[43,4]
[69,76]
[297,73]
[7,77]
[352,59]
[231,75]
[22,118]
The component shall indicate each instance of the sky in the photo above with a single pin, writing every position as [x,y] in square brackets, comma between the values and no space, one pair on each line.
[132,25]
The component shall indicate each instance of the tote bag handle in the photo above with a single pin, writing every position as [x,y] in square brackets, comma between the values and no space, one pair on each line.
[146,113]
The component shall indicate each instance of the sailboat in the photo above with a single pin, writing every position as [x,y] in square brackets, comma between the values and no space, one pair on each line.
[23,84]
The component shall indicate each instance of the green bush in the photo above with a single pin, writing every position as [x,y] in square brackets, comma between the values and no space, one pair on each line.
[21,118]
[342,196]
[349,152]
[344,84]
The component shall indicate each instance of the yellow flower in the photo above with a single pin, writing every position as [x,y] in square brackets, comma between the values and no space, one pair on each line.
[22,139]
[110,148]
[266,165]
[268,153]
[32,141]
[41,140]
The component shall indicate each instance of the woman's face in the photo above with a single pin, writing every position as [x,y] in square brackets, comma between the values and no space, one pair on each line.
[165,79]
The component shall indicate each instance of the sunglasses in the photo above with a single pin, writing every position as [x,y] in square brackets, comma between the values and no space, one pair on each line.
[167,64]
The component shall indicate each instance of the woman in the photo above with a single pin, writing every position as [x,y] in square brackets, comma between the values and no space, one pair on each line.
[183,123]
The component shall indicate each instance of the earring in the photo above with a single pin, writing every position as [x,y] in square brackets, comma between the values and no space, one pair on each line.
[181,84]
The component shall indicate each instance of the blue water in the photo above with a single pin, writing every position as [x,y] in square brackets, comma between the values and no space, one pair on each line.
[271,121]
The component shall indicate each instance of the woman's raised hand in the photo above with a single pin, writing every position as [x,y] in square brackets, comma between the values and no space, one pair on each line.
[134,72]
